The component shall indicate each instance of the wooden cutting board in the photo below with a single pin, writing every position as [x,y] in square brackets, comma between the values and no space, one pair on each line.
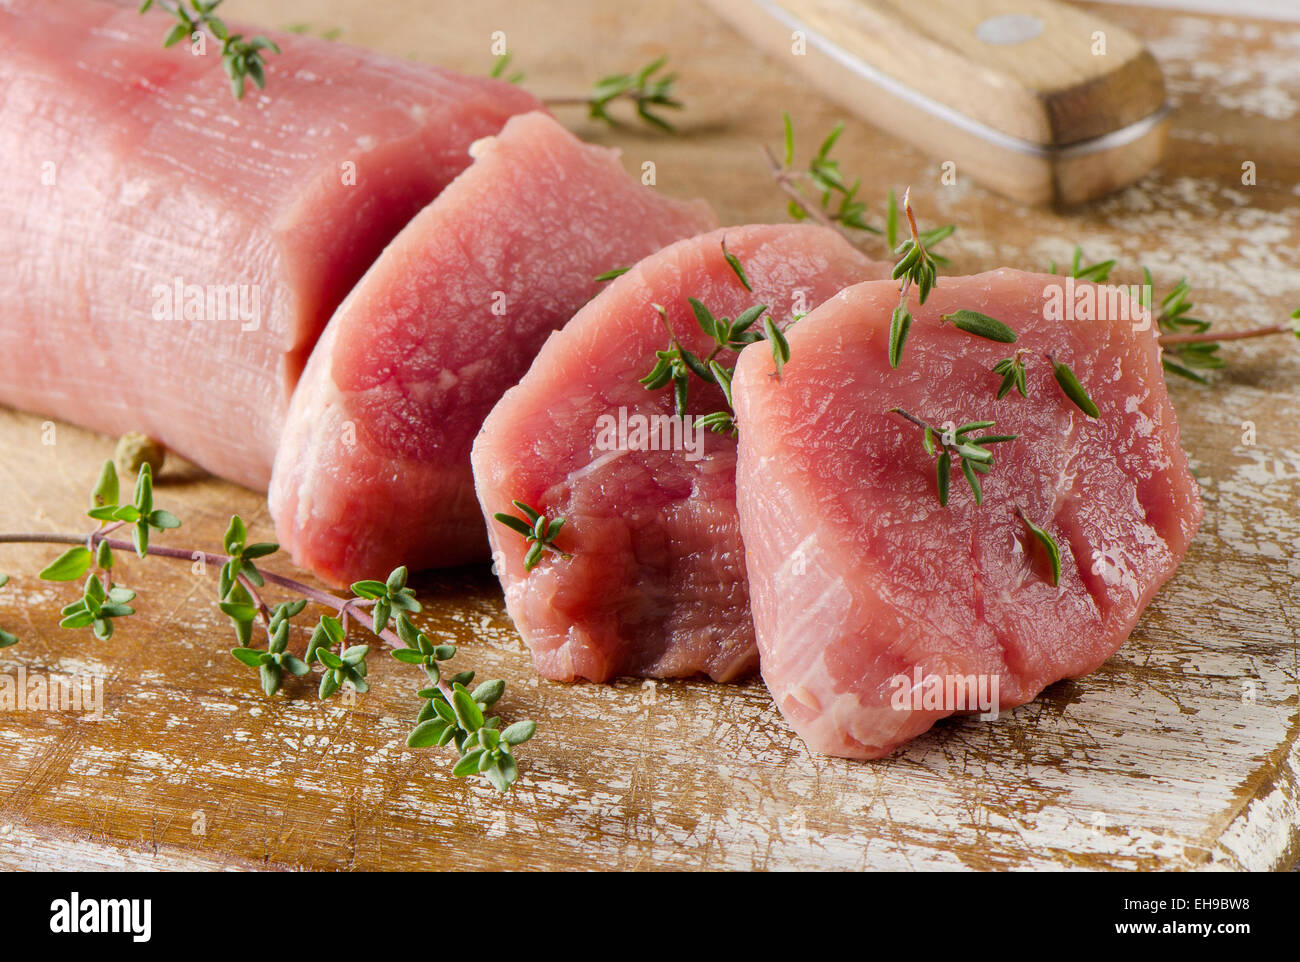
[1181,752]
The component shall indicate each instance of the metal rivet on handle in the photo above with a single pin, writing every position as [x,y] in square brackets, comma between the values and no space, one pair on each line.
[1009,29]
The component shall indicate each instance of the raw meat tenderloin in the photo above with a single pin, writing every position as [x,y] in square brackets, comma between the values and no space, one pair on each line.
[448,318]
[129,168]
[857,573]
[656,583]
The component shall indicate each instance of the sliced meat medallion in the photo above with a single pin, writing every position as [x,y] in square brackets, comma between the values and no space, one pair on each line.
[374,468]
[171,253]
[869,597]
[655,585]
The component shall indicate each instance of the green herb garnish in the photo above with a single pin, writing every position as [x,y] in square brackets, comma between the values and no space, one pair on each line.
[611,274]
[736,267]
[981,325]
[675,364]
[501,65]
[833,203]
[1188,346]
[1012,370]
[1071,387]
[1098,272]
[383,607]
[915,267]
[242,59]
[971,453]
[1049,545]
[649,93]
[538,531]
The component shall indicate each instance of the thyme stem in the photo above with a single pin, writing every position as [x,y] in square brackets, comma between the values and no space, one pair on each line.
[786,181]
[340,605]
[207,557]
[568,101]
[1212,336]
[646,89]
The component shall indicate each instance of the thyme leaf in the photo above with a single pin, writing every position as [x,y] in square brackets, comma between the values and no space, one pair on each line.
[734,263]
[7,640]
[1071,387]
[1049,544]
[981,325]
[1098,272]
[899,326]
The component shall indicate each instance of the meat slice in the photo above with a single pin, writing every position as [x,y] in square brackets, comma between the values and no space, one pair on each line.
[448,318]
[172,254]
[859,577]
[656,582]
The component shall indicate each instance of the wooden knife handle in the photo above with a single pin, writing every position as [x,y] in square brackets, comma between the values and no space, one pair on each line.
[1035,70]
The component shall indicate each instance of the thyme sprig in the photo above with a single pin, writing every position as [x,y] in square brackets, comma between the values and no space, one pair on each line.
[971,453]
[1098,272]
[834,202]
[917,268]
[650,92]
[929,238]
[1174,318]
[386,607]
[537,530]
[242,59]
[676,364]
[821,192]
[1012,370]
[1188,344]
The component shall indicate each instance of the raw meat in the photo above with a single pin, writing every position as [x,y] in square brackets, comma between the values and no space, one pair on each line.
[129,169]
[656,583]
[374,468]
[858,576]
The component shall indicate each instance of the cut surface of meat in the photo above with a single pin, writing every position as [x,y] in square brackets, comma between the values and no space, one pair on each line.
[448,318]
[655,585]
[869,597]
[171,253]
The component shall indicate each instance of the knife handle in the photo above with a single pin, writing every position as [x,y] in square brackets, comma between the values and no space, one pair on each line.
[1038,70]
[1021,88]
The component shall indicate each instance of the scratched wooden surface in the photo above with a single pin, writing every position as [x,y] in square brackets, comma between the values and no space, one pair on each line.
[1181,752]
